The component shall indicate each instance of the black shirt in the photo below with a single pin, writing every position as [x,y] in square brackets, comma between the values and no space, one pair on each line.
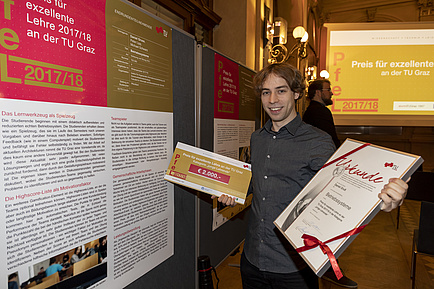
[282,164]
[318,115]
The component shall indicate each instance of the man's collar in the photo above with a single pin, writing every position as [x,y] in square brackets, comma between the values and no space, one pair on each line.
[291,127]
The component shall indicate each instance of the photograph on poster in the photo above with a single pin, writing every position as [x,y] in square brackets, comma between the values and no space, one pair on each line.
[68,267]
[13,280]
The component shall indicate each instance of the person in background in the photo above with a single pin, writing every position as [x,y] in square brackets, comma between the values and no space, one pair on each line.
[65,260]
[54,267]
[41,274]
[13,281]
[78,255]
[317,114]
[102,252]
[285,155]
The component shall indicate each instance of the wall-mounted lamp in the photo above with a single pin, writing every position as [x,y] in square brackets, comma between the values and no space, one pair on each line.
[305,37]
[279,53]
[302,36]
[324,74]
[298,32]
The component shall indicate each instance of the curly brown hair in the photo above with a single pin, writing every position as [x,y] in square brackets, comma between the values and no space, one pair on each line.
[286,71]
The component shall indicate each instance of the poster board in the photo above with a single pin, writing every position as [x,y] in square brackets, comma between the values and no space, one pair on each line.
[79,90]
[182,265]
[213,232]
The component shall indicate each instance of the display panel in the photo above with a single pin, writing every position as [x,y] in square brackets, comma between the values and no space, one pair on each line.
[234,120]
[86,99]
[381,73]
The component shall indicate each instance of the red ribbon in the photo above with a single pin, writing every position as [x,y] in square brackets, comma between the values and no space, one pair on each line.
[345,155]
[311,242]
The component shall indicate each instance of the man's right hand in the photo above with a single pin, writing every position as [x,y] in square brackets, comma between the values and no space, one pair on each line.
[225,200]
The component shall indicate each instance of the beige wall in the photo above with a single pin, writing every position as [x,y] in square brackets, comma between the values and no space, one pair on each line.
[239,35]
[230,35]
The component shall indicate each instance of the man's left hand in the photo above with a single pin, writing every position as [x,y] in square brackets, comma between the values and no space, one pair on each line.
[393,194]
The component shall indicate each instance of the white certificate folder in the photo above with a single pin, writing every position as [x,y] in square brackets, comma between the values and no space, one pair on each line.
[341,197]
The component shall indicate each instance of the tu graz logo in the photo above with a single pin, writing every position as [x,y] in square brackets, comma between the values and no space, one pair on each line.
[162,31]
[391,165]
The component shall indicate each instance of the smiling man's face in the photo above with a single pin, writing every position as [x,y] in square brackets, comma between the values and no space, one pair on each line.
[278,101]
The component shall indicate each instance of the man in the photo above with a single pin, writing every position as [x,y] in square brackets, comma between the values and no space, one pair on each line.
[285,155]
[102,249]
[12,281]
[54,267]
[317,114]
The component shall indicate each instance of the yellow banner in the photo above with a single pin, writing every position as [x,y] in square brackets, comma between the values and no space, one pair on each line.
[383,80]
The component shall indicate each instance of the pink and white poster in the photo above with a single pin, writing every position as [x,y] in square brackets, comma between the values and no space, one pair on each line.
[51,52]
[234,120]
[82,134]
[226,88]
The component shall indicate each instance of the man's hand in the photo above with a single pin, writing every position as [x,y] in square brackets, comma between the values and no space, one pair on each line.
[393,194]
[225,200]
